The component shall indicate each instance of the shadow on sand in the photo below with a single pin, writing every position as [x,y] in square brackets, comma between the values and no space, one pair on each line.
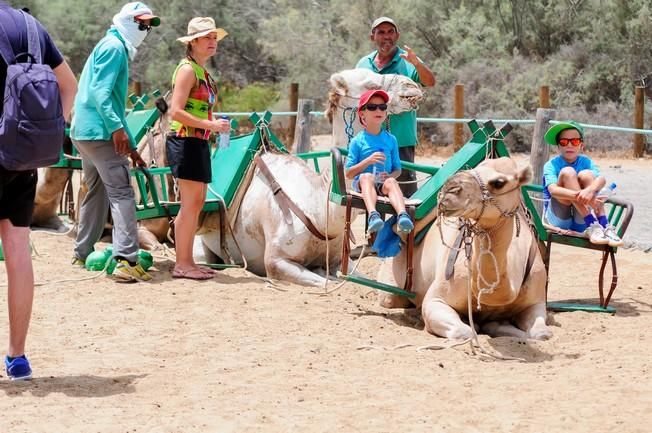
[73,386]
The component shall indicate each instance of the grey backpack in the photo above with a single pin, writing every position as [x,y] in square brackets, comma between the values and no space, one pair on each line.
[32,126]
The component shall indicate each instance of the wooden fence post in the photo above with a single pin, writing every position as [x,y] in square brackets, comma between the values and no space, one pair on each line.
[138,90]
[540,149]
[294,104]
[302,132]
[458,107]
[544,97]
[639,113]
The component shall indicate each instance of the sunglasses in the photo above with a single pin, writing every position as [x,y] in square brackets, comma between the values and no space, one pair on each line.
[566,141]
[374,107]
[143,27]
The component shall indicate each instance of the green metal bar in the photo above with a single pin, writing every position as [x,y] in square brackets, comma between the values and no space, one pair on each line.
[422,168]
[570,306]
[542,233]
[219,266]
[380,286]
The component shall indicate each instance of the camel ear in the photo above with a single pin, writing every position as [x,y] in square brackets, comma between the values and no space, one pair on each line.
[338,83]
[370,85]
[525,175]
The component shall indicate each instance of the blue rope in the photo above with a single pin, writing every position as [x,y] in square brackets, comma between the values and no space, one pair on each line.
[348,123]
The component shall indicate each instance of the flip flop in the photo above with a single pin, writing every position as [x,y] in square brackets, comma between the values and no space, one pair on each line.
[207,270]
[191,274]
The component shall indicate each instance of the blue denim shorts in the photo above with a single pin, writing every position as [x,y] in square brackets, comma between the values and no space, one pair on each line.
[563,216]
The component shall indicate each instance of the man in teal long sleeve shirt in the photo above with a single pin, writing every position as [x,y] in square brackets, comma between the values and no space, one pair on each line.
[100,133]
[100,105]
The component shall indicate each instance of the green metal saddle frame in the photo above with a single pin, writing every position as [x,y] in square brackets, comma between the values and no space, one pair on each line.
[228,165]
[619,213]
[485,141]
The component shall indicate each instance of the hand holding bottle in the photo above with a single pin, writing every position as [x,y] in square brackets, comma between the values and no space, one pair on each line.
[606,192]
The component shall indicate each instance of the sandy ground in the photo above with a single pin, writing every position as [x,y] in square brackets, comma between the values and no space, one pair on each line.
[238,354]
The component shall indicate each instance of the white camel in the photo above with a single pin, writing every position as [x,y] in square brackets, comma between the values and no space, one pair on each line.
[270,245]
[348,85]
[507,277]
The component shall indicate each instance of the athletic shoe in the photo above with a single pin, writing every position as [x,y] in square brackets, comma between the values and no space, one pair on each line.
[614,239]
[405,224]
[18,368]
[375,223]
[76,261]
[124,271]
[596,235]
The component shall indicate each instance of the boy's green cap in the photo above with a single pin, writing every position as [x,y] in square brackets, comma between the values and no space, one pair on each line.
[553,132]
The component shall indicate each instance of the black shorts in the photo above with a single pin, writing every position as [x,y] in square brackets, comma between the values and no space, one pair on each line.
[17,191]
[406,153]
[189,158]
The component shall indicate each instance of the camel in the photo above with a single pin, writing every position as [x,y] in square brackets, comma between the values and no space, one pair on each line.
[270,245]
[346,88]
[507,276]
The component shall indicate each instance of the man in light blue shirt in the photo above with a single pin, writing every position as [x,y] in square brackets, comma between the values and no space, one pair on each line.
[388,58]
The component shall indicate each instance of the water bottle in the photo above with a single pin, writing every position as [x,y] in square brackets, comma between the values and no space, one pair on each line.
[225,137]
[606,192]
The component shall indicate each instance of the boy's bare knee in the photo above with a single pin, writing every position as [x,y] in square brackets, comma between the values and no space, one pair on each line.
[567,173]
[391,182]
[586,177]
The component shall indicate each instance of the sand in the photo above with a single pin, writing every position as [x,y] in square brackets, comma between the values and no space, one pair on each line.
[240,354]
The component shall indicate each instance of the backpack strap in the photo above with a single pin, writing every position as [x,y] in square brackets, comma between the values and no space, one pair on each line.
[6,50]
[33,43]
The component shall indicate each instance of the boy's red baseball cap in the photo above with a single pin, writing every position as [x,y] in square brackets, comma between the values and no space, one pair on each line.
[366,96]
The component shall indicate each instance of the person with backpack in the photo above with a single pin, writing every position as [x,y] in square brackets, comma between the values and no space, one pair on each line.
[99,132]
[32,121]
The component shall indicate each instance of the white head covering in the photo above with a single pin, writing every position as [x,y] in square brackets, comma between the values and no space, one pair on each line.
[124,22]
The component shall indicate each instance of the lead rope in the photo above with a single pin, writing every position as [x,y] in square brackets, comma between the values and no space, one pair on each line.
[348,116]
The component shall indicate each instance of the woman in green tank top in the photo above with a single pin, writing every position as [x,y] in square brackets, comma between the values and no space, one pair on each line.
[193,96]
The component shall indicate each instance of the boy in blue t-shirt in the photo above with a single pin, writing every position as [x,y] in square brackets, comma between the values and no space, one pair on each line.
[373,162]
[571,182]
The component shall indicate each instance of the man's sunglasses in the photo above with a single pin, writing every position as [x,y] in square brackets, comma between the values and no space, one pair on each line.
[143,27]
[566,141]
[374,107]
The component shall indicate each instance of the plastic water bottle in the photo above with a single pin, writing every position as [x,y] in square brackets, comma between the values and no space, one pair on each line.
[225,137]
[377,170]
[606,192]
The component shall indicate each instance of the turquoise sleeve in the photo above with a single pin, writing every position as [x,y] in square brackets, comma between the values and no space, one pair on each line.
[107,65]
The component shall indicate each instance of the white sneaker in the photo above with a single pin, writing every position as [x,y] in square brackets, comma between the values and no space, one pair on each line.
[596,235]
[614,239]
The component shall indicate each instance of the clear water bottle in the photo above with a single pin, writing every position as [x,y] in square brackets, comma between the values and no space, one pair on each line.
[225,137]
[377,170]
[606,192]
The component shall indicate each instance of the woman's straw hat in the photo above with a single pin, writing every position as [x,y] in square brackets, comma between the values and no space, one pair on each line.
[202,26]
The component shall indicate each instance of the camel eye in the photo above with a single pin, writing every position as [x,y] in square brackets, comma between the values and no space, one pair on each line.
[497,184]
[454,189]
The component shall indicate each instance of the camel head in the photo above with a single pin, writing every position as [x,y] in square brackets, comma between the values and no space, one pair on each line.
[348,85]
[486,193]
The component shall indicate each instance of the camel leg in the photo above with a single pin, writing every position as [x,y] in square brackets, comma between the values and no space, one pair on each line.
[442,320]
[283,269]
[502,329]
[533,321]
[389,300]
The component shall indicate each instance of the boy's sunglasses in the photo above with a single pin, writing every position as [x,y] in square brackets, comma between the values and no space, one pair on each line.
[143,27]
[566,141]
[373,107]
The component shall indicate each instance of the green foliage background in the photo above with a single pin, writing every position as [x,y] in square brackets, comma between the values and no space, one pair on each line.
[590,52]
